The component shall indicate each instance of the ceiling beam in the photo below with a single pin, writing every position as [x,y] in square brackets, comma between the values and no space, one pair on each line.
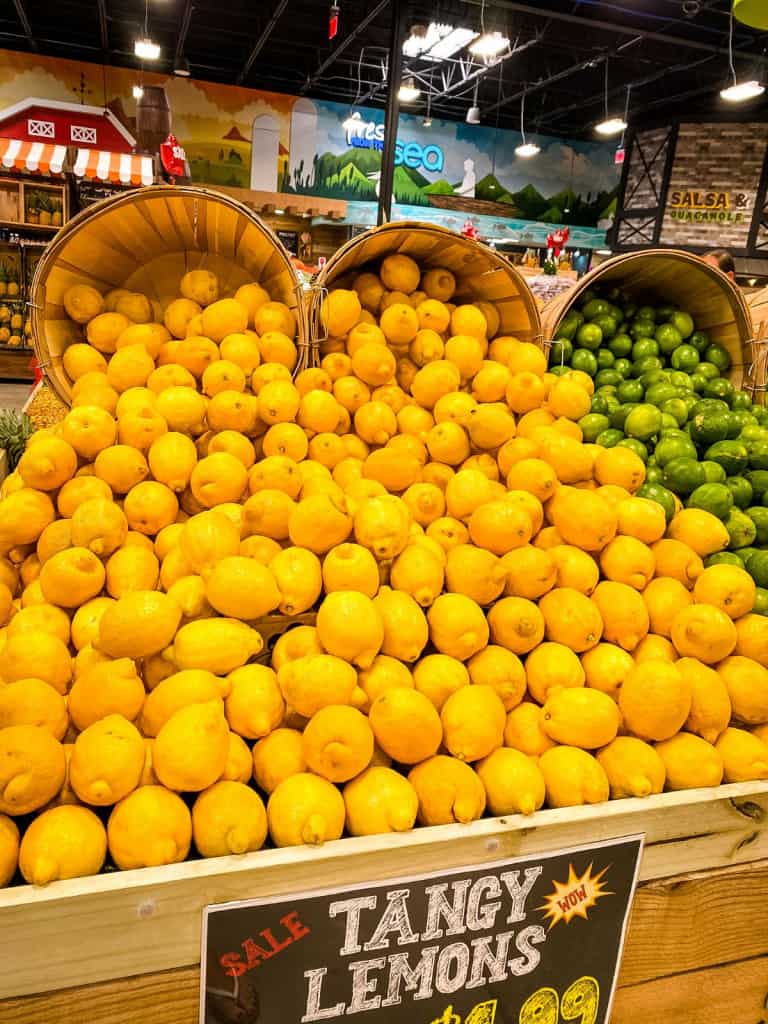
[19,5]
[335,54]
[103,28]
[546,82]
[590,24]
[486,69]
[186,19]
[259,44]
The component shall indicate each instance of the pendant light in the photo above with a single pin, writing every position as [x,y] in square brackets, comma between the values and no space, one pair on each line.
[739,92]
[612,124]
[525,149]
[145,48]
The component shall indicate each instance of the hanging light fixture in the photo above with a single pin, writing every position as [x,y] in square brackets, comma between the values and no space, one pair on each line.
[145,48]
[408,92]
[525,149]
[739,92]
[138,92]
[488,44]
[181,67]
[427,122]
[473,114]
[611,124]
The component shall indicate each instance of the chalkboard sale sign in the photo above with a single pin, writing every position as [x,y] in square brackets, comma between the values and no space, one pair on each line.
[535,940]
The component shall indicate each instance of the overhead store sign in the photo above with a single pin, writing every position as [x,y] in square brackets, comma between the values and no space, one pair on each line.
[709,207]
[526,940]
[370,135]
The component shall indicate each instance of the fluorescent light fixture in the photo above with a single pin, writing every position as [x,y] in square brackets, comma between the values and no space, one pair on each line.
[145,49]
[603,252]
[138,92]
[489,44]
[527,149]
[740,92]
[408,91]
[611,126]
[424,37]
[458,39]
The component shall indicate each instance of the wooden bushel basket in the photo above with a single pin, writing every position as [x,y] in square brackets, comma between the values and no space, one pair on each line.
[715,303]
[146,240]
[758,308]
[482,275]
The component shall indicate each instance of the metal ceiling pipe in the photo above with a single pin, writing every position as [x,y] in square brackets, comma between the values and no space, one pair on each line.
[18,4]
[356,31]
[259,44]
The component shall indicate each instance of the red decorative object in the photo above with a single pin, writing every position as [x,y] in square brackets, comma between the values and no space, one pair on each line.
[618,156]
[65,124]
[333,22]
[557,241]
[35,368]
[173,157]
[469,230]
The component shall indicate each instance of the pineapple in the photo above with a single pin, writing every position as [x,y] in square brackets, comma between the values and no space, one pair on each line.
[3,281]
[5,314]
[15,430]
[13,285]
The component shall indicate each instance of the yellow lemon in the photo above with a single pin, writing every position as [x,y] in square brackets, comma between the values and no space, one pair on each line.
[313,681]
[217,479]
[655,700]
[104,330]
[745,756]
[305,809]
[664,597]
[241,588]
[207,538]
[550,667]
[419,572]
[121,467]
[437,676]
[700,530]
[728,588]
[48,464]
[581,717]
[513,782]
[570,618]
[678,560]
[628,560]
[703,631]
[32,768]
[252,296]
[63,842]
[287,440]
[530,572]
[583,518]
[690,762]
[71,577]
[107,761]
[386,673]
[606,667]
[150,827]
[500,526]
[191,748]
[567,398]
[378,801]
[653,647]
[41,618]
[318,523]
[406,725]
[89,430]
[747,684]
[620,466]
[9,849]
[217,645]
[405,630]
[457,626]
[575,568]
[340,311]
[200,286]
[502,671]
[141,623]
[370,290]
[633,768]
[400,273]
[524,730]
[33,702]
[350,627]
[337,743]
[177,691]
[641,518]
[449,791]
[573,777]
[473,720]
[623,612]
[710,697]
[228,818]
[242,350]
[533,475]
[129,367]
[82,303]
[276,757]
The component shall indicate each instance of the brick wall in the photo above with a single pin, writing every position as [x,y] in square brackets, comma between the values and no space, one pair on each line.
[716,157]
[644,186]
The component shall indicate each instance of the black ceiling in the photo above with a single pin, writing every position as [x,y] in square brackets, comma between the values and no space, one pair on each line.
[672,53]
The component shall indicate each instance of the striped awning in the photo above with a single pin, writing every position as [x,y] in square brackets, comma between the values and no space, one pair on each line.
[121,168]
[43,157]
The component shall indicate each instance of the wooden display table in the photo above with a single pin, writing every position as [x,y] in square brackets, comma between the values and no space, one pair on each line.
[125,947]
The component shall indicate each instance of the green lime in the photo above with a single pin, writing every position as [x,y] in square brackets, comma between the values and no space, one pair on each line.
[683,322]
[713,472]
[646,313]
[605,359]
[719,387]
[669,448]
[685,358]
[758,454]
[714,498]
[699,340]
[599,404]
[741,529]
[665,311]
[630,391]
[560,352]
[593,424]
[607,325]
[644,347]
[757,567]
[635,446]
[698,382]
[595,307]
[617,313]
[708,405]
[609,438]
[660,392]
[731,455]
[683,476]
[648,364]
[668,338]
[724,558]
[745,554]
[741,400]
[758,480]
[680,379]
[760,412]
[753,432]
[654,474]
[759,517]
[619,415]
[642,329]
[620,345]
[741,489]
[643,422]
[607,377]
[744,419]
[761,601]
[589,336]
[559,371]
[622,366]
[718,356]
[583,359]
[708,370]
[668,422]
[611,403]
[655,492]
[676,408]
[708,427]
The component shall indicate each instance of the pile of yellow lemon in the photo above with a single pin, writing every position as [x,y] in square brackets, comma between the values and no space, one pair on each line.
[500,623]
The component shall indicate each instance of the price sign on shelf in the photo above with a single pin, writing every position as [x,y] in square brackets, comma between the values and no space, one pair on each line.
[533,940]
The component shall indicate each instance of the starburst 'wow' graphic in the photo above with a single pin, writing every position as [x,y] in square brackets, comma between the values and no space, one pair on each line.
[575,897]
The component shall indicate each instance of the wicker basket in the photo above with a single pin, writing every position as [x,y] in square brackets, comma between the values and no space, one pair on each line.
[482,275]
[145,241]
[758,308]
[715,303]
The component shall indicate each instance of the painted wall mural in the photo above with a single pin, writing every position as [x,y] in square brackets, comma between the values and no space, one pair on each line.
[247,139]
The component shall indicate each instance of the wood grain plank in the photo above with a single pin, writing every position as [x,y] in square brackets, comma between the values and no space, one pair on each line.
[734,994]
